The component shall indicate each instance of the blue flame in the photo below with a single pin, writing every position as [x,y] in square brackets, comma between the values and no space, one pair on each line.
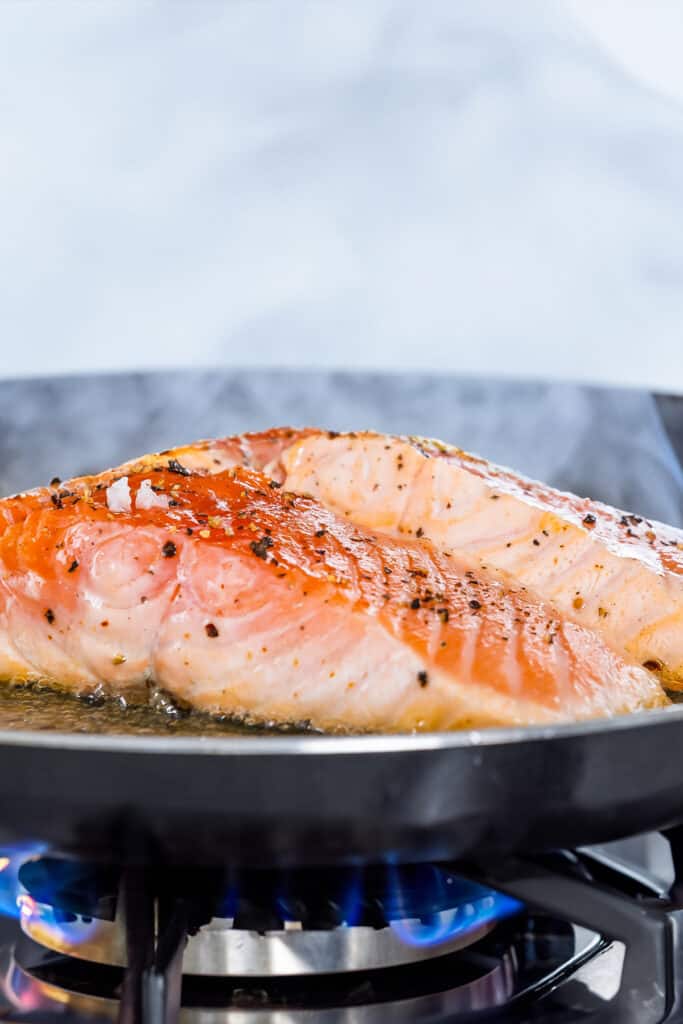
[230,900]
[446,906]
[53,924]
[11,860]
[351,904]
[53,927]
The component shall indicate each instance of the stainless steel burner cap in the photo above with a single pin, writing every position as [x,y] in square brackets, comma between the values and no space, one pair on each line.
[219,949]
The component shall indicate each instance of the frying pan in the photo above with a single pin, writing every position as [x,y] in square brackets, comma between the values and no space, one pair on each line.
[294,800]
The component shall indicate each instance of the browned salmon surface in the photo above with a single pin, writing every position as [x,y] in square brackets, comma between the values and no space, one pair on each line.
[613,571]
[222,585]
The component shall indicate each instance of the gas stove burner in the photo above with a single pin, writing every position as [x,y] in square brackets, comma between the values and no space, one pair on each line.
[272,923]
[416,944]
[293,945]
[221,949]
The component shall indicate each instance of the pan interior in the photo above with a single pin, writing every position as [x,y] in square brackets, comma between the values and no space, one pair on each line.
[31,711]
[46,710]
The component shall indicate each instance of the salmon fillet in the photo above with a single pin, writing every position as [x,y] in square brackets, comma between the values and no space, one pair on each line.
[239,597]
[617,573]
[610,570]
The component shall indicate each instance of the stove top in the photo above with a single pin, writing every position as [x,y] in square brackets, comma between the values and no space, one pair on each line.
[573,936]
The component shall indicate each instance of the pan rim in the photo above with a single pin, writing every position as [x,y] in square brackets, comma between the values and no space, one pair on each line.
[334,745]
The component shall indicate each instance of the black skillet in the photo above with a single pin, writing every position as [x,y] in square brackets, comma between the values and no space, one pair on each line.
[283,799]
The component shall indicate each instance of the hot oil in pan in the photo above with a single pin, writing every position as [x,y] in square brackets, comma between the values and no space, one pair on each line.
[44,710]
[37,708]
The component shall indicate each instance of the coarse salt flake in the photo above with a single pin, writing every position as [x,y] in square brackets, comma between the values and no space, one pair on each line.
[118,496]
[147,497]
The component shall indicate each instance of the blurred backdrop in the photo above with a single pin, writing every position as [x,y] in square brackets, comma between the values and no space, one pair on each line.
[492,188]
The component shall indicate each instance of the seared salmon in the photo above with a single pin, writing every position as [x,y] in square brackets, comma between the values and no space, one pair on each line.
[615,572]
[239,597]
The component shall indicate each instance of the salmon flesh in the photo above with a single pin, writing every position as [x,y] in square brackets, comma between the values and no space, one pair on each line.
[351,582]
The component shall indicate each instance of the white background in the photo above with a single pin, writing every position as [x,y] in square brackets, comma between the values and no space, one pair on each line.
[487,187]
